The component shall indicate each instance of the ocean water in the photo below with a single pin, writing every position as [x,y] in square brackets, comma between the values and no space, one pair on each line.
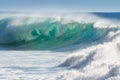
[64,46]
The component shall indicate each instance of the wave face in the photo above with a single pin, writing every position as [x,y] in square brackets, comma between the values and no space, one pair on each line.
[43,32]
[63,46]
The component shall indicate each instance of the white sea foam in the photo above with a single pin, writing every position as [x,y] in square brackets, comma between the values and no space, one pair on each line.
[100,62]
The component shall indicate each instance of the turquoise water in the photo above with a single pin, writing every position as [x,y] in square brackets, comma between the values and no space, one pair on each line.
[42,34]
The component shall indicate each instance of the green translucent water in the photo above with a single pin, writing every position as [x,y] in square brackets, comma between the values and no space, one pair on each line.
[48,33]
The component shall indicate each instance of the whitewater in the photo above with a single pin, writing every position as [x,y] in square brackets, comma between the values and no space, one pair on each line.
[61,46]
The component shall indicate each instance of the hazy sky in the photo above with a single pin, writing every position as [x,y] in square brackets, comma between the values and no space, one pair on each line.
[60,5]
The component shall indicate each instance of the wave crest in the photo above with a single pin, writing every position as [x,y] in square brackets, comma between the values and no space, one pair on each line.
[48,31]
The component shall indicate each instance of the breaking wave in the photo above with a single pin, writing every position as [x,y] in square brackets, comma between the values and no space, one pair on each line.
[92,43]
[41,32]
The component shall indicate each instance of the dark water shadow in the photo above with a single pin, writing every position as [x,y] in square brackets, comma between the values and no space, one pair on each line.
[109,15]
